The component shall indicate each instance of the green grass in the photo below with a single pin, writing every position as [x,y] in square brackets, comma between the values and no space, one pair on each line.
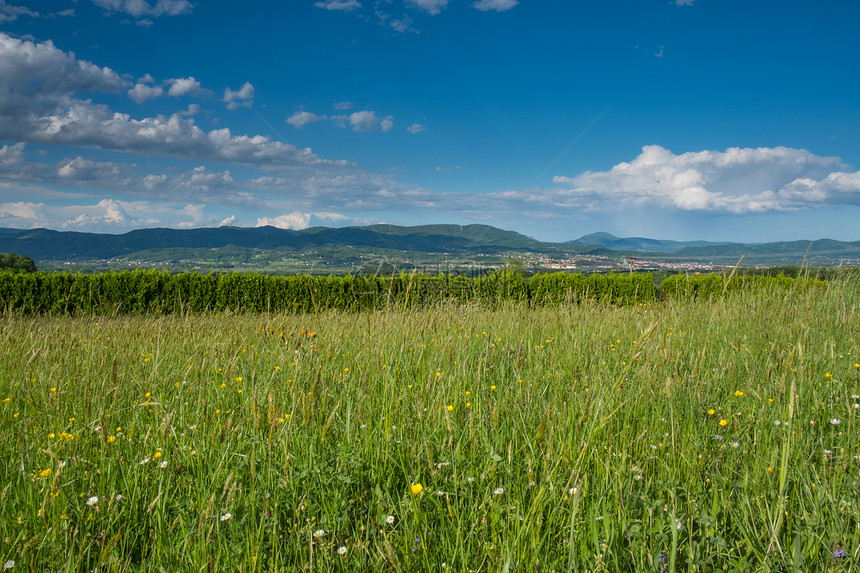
[577,438]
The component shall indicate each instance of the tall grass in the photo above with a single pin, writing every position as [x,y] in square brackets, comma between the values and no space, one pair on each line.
[675,436]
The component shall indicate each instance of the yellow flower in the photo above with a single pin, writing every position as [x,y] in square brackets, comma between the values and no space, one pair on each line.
[468,404]
[828,375]
[223,385]
[147,395]
[450,408]
[111,439]
[238,378]
[45,473]
[723,422]
[54,389]
[738,393]
[51,435]
[711,412]
[416,488]
[7,399]
[156,455]
[492,387]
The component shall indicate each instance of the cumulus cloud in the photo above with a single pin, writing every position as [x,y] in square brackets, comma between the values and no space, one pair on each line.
[432,7]
[243,97]
[415,128]
[36,72]
[497,5]
[363,121]
[294,220]
[138,8]
[107,215]
[302,118]
[143,91]
[387,123]
[345,5]
[10,13]
[738,180]
[188,86]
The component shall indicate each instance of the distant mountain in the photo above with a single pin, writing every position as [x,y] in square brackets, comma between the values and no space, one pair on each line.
[638,243]
[822,251]
[45,244]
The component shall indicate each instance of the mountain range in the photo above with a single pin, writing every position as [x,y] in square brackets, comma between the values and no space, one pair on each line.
[44,245]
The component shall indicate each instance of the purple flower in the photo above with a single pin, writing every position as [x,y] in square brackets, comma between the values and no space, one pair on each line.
[840,553]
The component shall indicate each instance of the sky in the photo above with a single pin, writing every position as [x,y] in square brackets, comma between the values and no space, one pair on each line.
[672,119]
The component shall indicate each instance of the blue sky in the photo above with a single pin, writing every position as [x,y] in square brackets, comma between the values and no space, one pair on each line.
[679,119]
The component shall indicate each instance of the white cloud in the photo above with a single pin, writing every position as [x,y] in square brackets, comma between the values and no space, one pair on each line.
[138,8]
[294,220]
[342,105]
[35,72]
[10,13]
[142,91]
[187,86]
[243,97]
[738,180]
[38,104]
[227,221]
[432,7]
[415,128]
[345,5]
[497,5]
[684,2]
[302,118]
[387,123]
[363,121]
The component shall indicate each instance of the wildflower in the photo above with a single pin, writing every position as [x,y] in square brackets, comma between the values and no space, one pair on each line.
[416,488]
[341,550]
[734,444]
[144,461]
[226,516]
[319,533]
[389,520]
[156,455]
[9,564]
[498,491]
[723,422]
[678,525]
[835,421]
[163,464]
[738,393]
[710,412]
[119,497]
[92,501]
[440,493]
[45,473]
[777,422]
[111,439]
[573,491]
[470,479]
[493,387]
[840,553]
[450,408]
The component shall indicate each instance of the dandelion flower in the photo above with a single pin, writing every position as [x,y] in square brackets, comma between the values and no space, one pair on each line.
[226,516]
[389,520]
[341,550]
[416,488]
[498,491]
[92,501]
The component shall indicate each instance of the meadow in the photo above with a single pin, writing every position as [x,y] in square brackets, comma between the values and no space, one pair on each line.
[678,435]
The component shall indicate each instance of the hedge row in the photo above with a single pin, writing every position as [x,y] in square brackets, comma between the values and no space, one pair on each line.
[149,291]
[712,286]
